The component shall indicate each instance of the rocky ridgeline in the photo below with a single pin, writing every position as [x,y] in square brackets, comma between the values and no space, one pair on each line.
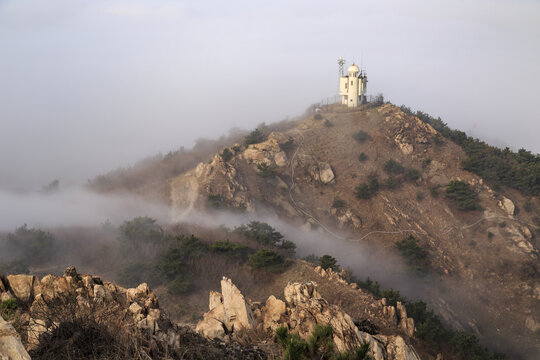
[396,316]
[230,314]
[135,308]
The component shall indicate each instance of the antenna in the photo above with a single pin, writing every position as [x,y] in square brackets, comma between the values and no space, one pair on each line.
[341,62]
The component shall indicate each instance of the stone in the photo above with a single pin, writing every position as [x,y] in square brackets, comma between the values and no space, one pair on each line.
[532,324]
[36,327]
[215,300]
[280,159]
[11,347]
[211,328]
[53,285]
[139,292]
[326,175]
[6,296]
[507,205]
[135,308]
[273,310]
[238,314]
[296,293]
[2,287]
[24,287]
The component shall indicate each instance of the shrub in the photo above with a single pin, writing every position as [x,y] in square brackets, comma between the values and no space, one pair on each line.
[141,230]
[255,137]
[502,224]
[391,182]
[14,267]
[8,308]
[412,174]
[363,191]
[239,251]
[287,145]
[420,196]
[314,259]
[415,257]
[393,167]
[226,155]
[135,273]
[463,195]
[328,262]
[264,170]
[434,191]
[361,136]
[215,201]
[490,235]
[373,185]
[268,260]
[261,232]
[338,203]
[317,116]
[33,245]
[362,157]
[236,148]
[327,123]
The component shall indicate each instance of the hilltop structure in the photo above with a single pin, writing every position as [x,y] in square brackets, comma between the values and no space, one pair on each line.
[353,86]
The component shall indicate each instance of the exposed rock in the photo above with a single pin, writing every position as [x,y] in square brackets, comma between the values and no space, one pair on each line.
[532,324]
[297,293]
[326,174]
[11,347]
[273,311]
[507,205]
[24,287]
[2,287]
[238,314]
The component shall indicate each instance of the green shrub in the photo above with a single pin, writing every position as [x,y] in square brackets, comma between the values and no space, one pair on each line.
[33,245]
[391,182]
[463,195]
[327,123]
[226,155]
[14,267]
[393,167]
[366,191]
[328,262]
[236,148]
[362,157]
[287,145]
[434,191]
[8,308]
[134,273]
[415,257]
[141,230]
[255,137]
[490,235]
[361,136]
[412,174]
[261,233]
[317,116]
[239,251]
[502,224]
[264,170]
[268,260]
[338,203]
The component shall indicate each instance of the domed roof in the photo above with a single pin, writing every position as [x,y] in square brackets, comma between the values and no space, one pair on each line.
[353,68]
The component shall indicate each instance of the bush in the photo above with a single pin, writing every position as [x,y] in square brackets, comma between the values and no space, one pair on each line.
[391,182]
[317,116]
[255,137]
[236,148]
[264,170]
[141,230]
[262,233]
[327,123]
[8,308]
[362,157]
[393,167]
[287,145]
[134,273]
[226,155]
[33,245]
[338,203]
[363,191]
[239,251]
[215,201]
[361,136]
[412,174]
[415,257]
[463,195]
[14,267]
[328,262]
[434,191]
[267,260]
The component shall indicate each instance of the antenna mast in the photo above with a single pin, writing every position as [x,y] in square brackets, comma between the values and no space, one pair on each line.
[341,62]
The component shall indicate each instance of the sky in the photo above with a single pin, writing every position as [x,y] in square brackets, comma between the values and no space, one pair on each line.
[90,86]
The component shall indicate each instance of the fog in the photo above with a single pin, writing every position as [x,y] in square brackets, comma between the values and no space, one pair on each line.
[88,86]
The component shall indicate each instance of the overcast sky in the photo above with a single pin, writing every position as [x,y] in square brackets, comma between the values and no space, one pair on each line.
[87,86]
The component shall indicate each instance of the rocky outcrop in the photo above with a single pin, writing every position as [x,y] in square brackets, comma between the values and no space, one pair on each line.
[228,312]
[24,287]
[302,310]
[11,347]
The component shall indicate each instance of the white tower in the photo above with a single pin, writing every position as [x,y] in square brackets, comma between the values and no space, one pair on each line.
[353,86]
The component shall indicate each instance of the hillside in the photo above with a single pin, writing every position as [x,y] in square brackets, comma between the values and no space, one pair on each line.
[377,187]
[483,258]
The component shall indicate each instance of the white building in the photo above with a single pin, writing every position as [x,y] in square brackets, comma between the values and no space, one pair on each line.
[352,87]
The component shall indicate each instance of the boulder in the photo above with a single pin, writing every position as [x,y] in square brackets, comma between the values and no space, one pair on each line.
[237,312]
[11,347]
[507,205]
[24,287]
[325,173]
[296,293]
[273,310]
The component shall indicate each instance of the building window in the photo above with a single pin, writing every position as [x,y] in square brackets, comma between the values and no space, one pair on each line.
[351,82]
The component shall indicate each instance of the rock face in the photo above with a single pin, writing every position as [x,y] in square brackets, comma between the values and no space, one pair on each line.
[301,311]
[24,287]
[228,312]
[11,347]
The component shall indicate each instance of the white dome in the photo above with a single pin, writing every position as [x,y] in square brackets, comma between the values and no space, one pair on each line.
[353,69]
